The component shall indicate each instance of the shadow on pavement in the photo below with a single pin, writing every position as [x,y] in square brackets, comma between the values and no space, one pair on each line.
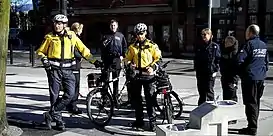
[20,86]
[35,97]
[33,124]
[11,74]
[26,107]
[266,109]
[269,78]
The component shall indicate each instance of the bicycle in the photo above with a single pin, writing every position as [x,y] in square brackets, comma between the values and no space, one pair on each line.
[105,97]
[164,87]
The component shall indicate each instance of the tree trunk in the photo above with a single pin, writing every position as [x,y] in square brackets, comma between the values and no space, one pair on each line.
[4,31]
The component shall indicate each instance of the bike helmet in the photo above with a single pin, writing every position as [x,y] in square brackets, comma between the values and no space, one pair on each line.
[140,27]
[60,18]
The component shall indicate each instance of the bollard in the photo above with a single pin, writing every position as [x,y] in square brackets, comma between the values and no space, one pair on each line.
[11,54]
[32,55]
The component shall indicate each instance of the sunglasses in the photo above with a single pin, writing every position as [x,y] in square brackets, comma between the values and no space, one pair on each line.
[140,33]
[203,34]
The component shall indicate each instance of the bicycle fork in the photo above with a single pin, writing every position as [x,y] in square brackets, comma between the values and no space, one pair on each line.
[167,105]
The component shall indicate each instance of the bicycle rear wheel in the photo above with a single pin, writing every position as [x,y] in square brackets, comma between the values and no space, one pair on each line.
[175,100]
[98,102]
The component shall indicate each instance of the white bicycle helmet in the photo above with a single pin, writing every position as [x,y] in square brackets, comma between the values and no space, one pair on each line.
[60,18]
[140,27]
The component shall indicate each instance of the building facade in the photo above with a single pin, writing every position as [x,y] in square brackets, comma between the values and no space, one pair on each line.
[174,24]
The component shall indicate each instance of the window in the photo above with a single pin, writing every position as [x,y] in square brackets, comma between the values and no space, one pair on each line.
[166,38]
[221,22]
[253,19]
[151,32]
[223,9]
[130,29]
[269,5]
[269,24]
[253,6]
[180,37]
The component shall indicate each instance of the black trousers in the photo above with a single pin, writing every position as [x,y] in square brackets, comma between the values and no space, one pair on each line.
[205,85]
[229,90]
[115,74]
[252,91]
[56,78]
[73,104]
[149,89]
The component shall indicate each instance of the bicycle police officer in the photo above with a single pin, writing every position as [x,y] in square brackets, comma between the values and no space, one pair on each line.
[143,55]
[113,51]
[253,65]
[57,56]
[206,64]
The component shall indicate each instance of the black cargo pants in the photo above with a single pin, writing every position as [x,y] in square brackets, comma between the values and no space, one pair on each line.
[56,78]
[73,104]
[252,91]
[113,67]
[229,90]
[148,84]
[205,87]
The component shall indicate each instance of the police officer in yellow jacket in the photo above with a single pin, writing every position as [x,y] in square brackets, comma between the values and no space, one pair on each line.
[57,55]
[143,56]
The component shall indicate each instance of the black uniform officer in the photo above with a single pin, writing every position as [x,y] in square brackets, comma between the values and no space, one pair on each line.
[57,53]
[143,55]
[253,65]
[206,64]
[229,78]
[113,51]
[72,107]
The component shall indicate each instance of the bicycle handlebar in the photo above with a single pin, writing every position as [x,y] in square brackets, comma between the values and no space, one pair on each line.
[165,64]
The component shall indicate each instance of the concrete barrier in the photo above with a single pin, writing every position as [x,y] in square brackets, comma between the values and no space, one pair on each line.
[210,118]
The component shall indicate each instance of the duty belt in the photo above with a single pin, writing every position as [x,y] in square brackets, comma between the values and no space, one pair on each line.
[65,65]
[145,72]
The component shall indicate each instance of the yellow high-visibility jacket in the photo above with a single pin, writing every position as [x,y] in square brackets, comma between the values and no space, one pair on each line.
[150,54]
[51,47]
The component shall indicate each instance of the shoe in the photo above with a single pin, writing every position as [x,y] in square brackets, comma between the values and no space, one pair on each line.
[137,125]
[248,131]
[75,111]
[232,122]
[48,120]
[60,125]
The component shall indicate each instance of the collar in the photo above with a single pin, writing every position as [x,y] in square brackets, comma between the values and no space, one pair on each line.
[254,37]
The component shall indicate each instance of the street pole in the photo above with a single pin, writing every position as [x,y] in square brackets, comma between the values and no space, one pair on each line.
[209,14]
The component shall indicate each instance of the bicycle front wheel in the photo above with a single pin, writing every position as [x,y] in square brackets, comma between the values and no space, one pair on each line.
[168,110]
[177,104]
[100,107]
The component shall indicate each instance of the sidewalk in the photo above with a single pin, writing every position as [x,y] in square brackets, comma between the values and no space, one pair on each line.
[27,98]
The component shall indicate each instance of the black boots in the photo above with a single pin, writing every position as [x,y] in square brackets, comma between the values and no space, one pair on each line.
[54,117]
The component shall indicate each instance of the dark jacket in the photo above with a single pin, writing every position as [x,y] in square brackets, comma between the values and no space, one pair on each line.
[228,63]
[114,45]
[207,57]
[253,60]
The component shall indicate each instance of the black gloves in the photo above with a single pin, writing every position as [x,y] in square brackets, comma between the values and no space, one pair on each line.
[46,63]
[98,64]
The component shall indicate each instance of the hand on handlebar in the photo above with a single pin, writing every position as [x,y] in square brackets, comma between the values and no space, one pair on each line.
[150,70]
